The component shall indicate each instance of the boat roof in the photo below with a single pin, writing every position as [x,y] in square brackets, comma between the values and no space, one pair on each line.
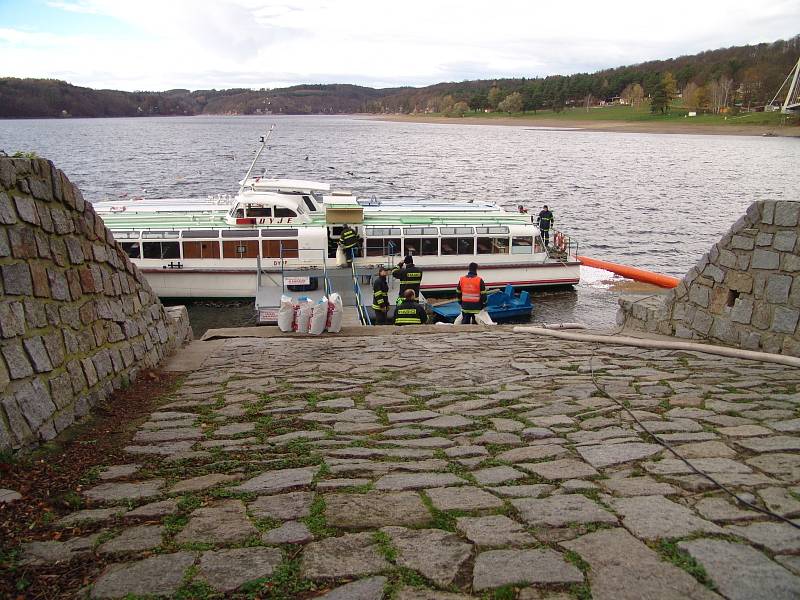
[290,186]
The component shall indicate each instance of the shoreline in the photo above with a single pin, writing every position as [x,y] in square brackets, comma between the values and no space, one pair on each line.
[566,124]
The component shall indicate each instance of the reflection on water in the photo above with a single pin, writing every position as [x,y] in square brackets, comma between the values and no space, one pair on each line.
[656,202]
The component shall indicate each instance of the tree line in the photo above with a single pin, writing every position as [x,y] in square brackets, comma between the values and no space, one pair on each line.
[737,77]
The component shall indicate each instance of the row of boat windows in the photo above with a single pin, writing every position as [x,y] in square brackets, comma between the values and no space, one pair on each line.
[451,246]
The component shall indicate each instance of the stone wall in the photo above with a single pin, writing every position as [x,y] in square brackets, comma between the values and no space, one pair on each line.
[77,318]
[744,292]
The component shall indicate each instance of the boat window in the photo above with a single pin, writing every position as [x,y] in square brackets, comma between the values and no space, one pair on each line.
[522,245]
[272,248]
[309,204]
[239,233]
[238,213]
[464,230]
[452,246]
[430,231]
[158,235]
[161,250]
[270,232]
[200,250]
[281,212]
[383,246]
[383,231]
[498,229]
[201,233]
[421,246]
[240,249]
[492,245]
[256,210]
[132,249]
[126,235]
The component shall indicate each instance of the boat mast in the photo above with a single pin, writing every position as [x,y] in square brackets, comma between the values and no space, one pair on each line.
[263,139]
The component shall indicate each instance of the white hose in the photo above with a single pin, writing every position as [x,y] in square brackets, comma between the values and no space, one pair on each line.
[664,345]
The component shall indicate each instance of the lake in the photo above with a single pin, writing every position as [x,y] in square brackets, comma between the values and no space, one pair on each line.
[654,201]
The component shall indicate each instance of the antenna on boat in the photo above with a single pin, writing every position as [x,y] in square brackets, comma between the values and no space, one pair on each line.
[263,139]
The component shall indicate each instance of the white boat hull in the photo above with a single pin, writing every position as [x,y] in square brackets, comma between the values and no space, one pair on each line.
[241,283]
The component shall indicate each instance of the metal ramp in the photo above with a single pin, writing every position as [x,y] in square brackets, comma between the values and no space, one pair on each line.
[314,282]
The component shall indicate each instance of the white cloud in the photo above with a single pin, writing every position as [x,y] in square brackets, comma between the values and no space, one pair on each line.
[263,43]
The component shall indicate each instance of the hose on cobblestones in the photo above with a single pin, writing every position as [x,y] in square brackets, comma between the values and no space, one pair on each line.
[669,345]
[622,340]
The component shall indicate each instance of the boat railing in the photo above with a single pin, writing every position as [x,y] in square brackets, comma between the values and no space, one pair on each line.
[325,278]
[363,313]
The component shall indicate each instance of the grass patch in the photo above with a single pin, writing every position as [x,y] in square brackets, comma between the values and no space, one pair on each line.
[189,503]
[576,560]
[385,547]
[316,521]
[669,550]
[174,523]
[506,592]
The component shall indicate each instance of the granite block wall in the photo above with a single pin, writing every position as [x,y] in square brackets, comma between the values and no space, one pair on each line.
[77,318]
[745,292]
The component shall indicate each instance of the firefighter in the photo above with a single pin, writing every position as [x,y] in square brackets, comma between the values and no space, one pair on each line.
[545,222]
[380,297]
[410,277]
[471,294]
[348,239]
[409,311]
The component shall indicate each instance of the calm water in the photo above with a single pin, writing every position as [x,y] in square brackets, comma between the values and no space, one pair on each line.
[657,202]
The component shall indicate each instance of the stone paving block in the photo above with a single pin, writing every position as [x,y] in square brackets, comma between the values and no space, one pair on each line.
[720,509]
[227,570]
[114,492]
[203,482]
[463,498]
[375,509]
[350,555]
[438,555]
[741,572]
[448,422]
[615,454]
[279,480]
[497,568]
[494,531]
[417,481]
[158,575]
[168,435]
[780,501]
[775,443]
[566,468]
[291,532]
[527,453]
[778,463]
[638,486]
[511,425]
[370,588]
[775,537]
[744,431]
[134,539]
[155,509]
[558,511]
[495,475]
[234,429]
[623,568]
[119,471]
[705,450]
[654,517]
[523,491]
[411,416]
[466,451]
[673,466]
[53,552]
[414,593]
[91,515]
[222,523]
[331,485]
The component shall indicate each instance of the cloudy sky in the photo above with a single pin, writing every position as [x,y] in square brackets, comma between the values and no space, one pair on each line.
[196,44]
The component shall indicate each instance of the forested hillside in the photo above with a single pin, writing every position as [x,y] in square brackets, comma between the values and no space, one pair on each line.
[740,77]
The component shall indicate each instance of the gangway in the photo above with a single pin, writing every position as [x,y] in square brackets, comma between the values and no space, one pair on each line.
[313,282]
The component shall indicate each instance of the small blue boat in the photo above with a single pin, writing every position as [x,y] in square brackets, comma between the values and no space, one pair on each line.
[501,306]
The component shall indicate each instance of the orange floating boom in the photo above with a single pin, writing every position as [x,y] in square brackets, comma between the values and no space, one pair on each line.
[658,279]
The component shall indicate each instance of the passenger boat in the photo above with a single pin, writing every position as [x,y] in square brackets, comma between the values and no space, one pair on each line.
[215,247]
[502,305]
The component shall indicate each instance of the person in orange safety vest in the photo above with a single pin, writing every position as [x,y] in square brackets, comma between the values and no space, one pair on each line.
[471,294]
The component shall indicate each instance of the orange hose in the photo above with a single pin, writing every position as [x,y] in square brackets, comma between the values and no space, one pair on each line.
[658,279]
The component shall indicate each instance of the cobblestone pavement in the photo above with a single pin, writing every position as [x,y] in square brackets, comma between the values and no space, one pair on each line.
[452,466]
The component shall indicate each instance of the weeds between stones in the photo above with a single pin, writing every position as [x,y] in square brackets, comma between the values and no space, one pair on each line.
[669,550]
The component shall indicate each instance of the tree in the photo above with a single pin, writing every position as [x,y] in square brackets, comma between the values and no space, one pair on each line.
[511,104]
[479,101]
[495,97]
[670,86]
[659,100]
[458,109]
[691,95]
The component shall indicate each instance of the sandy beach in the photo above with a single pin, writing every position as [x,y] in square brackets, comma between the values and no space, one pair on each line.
[611,126]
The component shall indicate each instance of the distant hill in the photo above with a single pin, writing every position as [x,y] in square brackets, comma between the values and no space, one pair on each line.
[754,73]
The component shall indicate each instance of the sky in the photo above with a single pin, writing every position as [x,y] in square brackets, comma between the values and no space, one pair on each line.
[157,45]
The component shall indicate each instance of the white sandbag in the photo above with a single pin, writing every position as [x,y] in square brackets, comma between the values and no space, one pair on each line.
[335,324]
[483,318]
[286,314]
[304,316]
[459,319]
[341,257]
[319,316]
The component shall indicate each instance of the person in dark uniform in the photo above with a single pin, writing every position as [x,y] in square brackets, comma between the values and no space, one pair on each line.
[380,297]
[471,294]
[348,239]
[410,277]
[545,222]
[409,311]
